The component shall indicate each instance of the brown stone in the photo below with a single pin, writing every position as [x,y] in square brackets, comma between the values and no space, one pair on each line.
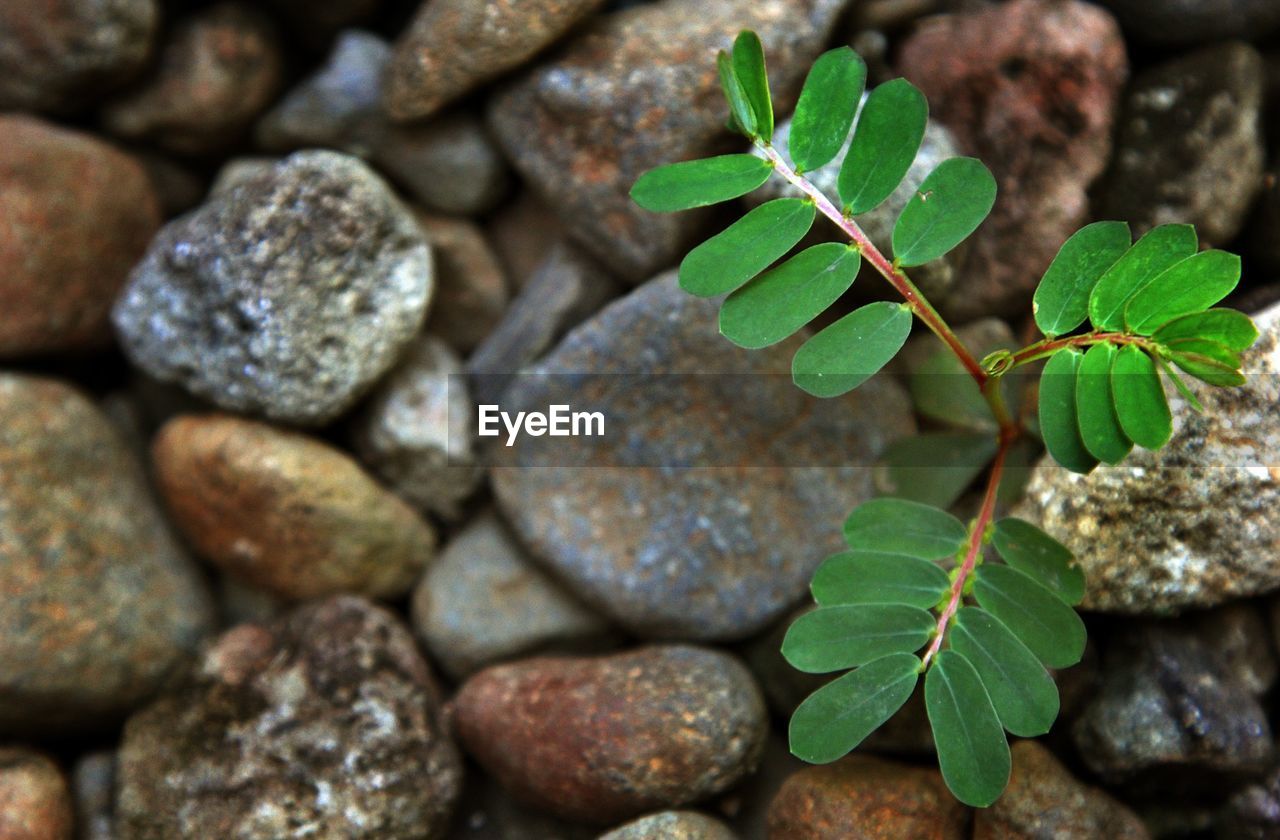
[35,803]
[471,288]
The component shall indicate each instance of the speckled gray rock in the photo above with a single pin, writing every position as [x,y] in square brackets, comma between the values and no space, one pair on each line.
[672,825]
[286,295]
[638,88]
[62,54]
[1172,713]
[603,739]
[1253,812]
[634,522]
[1189,147]
[449,164]
[1196,21]
[417,430]
[100,603]
[325,724]
[483,600]
[1192,525]
[934,278]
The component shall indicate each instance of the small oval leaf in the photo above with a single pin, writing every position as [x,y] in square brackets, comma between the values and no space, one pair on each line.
[845,636]
[1233,329]
[1061,301]
[1024,695]
[897,526]
[748,66]
[873,577]
[972,751]
[1207,361]
[1192,285]
[698,183]
[1100,428]
[852,350]
[840,715]
[1139,398]
[782,300]
[1058,423]
[739,108]
[1033,552]
[1040,619]
[934,468]
[950,204]
[828,102]
[885,142]
[745,248]
[1157,250]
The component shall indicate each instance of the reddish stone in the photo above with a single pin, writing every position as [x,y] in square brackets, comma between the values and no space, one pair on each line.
[35,803]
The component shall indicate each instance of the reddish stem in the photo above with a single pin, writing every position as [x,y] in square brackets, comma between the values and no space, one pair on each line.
[1048,347]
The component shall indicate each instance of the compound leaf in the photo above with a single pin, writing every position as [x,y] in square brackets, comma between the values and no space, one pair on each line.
[1228,327]
[950,204]
[745,248]
[898,526]
[1186,393]
[784,299]
[1024,695]
[740,112]
[1058,422]
[885,142]
[828,102]
[972,751]
[748,66]
[852,350]
[1033,552]
[1039,618]
[1100,428]
[936,468]
[1139,398]
[1189,286]
[1061,301]
[697,183]
[1207,361]
[841,714]
[848,635]
[1158,250]
[873,577]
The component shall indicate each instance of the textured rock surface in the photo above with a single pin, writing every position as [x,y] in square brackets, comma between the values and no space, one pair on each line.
[484,600]
[286,512]
[667,549]
[449,164]
[417,430]
[454,45]
[1192,525]
[77,215]
[1043,802]
[286,294]
[324,724]
[636,89]
[99,601]
[471,289]
[1252,813]
[603,739]
[672,825]
[1030,88]
[35,803]
[1189,149]
[60,54]
[860,796]
[1196,21]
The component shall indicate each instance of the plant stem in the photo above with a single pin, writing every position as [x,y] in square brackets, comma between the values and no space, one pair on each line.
[1049,346]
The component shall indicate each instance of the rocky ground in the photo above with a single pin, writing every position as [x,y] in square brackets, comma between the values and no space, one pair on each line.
[258,261]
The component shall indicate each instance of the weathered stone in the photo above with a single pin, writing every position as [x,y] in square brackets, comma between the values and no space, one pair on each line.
[1189,149]
[99,602]
[77,215]
[219,69]
[449,164]
[600,740]
[672,825]
[636,521]
[325,724]
[524,232]
[35,803]
[1252,813]
[636,89]
[287,294]
[484,600]
[1192,525]
[59,55]
[452,46]
[865,797]
[1030,88]
[1196,21]
[286,512]
[471,289]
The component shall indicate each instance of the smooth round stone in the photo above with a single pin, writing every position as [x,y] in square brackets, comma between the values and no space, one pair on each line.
[35,803]
[672,825]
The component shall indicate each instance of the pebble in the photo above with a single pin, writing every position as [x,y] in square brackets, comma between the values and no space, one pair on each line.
[1030,88]
[35,803]
[449,164]
[1192,525]
[1189,147]
[217,71]
[471,287]
[1253,812]
[324,724]
[672,825]
[636,89]
[100,603]
[1178,22]
[668,551]
[287,294]
[601,740]
[865,797]
[484,600]
[78,214]
[286,512]
[93,783]
[524,231]
[60,55]
[452,46]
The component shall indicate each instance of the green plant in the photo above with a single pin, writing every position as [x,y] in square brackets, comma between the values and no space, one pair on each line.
[988,631]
